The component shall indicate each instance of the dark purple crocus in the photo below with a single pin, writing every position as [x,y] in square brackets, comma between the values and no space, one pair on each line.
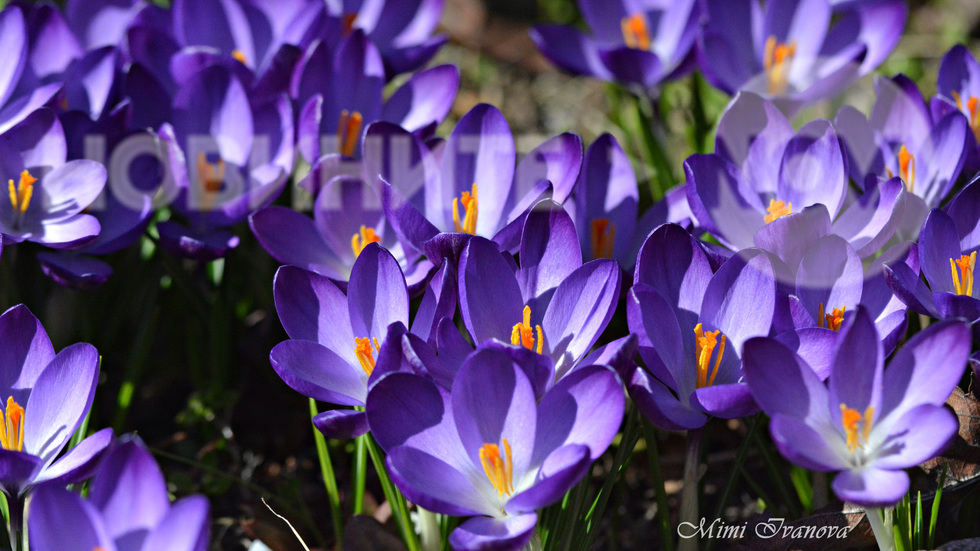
[347,216]
[552,304]
[768,187]
[339,93]
[489,449]
[691,324]
[228,159]
[335,339]
[46,396]
[947,251]
[902,138]
[637,42]
[958,89]
[127,508]
[46,195]
[868,422]
[470,185]
[791,51]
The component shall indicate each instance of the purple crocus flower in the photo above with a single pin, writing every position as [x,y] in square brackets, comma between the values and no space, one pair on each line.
[958,89]
[489,449]
[347,216]
[21,92]
[868,422]
[98,23]
[335,339]
[47,396]
[127,508]
[470,186]
[790,51]
[770,188]
[228,158]
[637,42]
[552,304]
[46,194]
[691,324]
[902,138]
[947,249]
[339,93]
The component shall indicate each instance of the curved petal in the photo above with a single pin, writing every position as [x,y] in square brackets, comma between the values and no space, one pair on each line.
[434,484]
[633,66]
[74,272]
[782,383]
[938,245]
[489,295]
[377,295]
[830,276]
[658,404]
[26,351]
[52,509]
[426,98]
[721,201]
[804,445]
[920,434]
[79,462]
[342,424]
[731,401]
[788,237]
[492,534]
[741,298]
[549,250]
[856,376]
[316,371]
[812,169]
[672,261]
[871,487]
[130,491]
[312,308]
[570,49]
[585,407]
[292,238]
[186,526]
[559,472]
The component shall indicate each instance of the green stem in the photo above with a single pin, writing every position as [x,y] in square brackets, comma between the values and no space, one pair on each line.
[701,126]
[689,493]
[360,473]
[655,151]
[882,528]
[657,474]
[398,506]
[329,477]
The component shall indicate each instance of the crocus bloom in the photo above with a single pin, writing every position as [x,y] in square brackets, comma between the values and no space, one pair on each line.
[641,43]
[958,88]
[868,422]
[552,304]
[127,508]
[947,249]
[46,396]
[46,195]
[790,51]
[770,188]
[691,324]
[20,92]
[488,448]
[335,339]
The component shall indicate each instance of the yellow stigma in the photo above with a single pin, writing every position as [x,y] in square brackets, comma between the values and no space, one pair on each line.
[364,353]
[972,112]
[777,60]
[777,209]
[853,422]
[240,56]
[348,132]
[636,31]
[832,320]
[361,240]
[963,282]
[12,427]
[500,470]
[906,168]
[471,203]
[523,335]
[20,195]
[705,343]
[210,176]
[603,236]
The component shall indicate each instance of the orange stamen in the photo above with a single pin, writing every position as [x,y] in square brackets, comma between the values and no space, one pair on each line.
[240,56]
[349,132]
[499,470]
[705,343]
[210,176]
[636,31]
[963,282]
[364,353]
[832,320]
[472,205]
[972,112]
[12,426]
[20,195]
[523,335]
[906,168]
[603,234]
[361,240]
[850,419]
[777,61]
[777,209]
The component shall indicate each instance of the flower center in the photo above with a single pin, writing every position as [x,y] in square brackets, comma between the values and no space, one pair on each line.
[210,176]
[12,426]
[348,132]
[365,354]
[636,31]
[472,206]
[499,469]
[853,423]
[348,23]
[777,60]
[832,320]
[972,112]
[20,196]
[963,283]
[705,343]
[240,56]
[523,335]
[777,209]
[603,234]
[906,168]
[361,240]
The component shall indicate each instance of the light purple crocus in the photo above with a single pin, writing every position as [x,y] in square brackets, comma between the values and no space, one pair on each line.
[46,396]
[947,250]
[791,51]
[552,304]
[46,195]
[127,508]
[868,422]
[436,200]
[489,449]
[21,92]
[637,42]
[958,89]
[768,187]
[691,325]
[335,339]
